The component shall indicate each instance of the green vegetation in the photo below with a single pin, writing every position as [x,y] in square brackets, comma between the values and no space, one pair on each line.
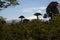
[7,3]
[31,30]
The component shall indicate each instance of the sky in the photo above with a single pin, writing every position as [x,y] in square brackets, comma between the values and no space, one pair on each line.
[26,8]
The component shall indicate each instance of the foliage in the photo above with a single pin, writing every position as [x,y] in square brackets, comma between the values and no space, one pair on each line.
[52,9]
[31,30]
[7,3]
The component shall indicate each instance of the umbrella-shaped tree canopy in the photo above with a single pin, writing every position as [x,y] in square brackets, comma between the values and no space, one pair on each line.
[37,14]
[21,17]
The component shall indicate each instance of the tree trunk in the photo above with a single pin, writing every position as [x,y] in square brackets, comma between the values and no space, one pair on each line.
[37,18]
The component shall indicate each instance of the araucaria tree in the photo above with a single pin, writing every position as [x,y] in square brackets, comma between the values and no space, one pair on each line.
[21,18]
[37,14]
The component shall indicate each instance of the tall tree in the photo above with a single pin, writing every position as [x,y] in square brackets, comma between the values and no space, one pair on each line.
[52,9]
[37,14]
[21,18]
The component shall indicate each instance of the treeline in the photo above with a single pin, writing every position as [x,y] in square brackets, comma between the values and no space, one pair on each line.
[31,30]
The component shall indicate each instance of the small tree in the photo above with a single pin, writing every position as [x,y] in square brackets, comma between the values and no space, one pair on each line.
[37,14]
[45,16]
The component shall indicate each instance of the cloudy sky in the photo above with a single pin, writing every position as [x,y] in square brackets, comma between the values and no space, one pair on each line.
[26,8]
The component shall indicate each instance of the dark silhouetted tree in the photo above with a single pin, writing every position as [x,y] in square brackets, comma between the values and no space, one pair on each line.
[45,16]
[37,14]
[21,18]
[52,9]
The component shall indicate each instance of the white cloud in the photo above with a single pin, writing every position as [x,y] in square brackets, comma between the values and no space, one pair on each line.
[36,9]
[33,10]
[42,8]
[40,17]
[34,17]
[28,10]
